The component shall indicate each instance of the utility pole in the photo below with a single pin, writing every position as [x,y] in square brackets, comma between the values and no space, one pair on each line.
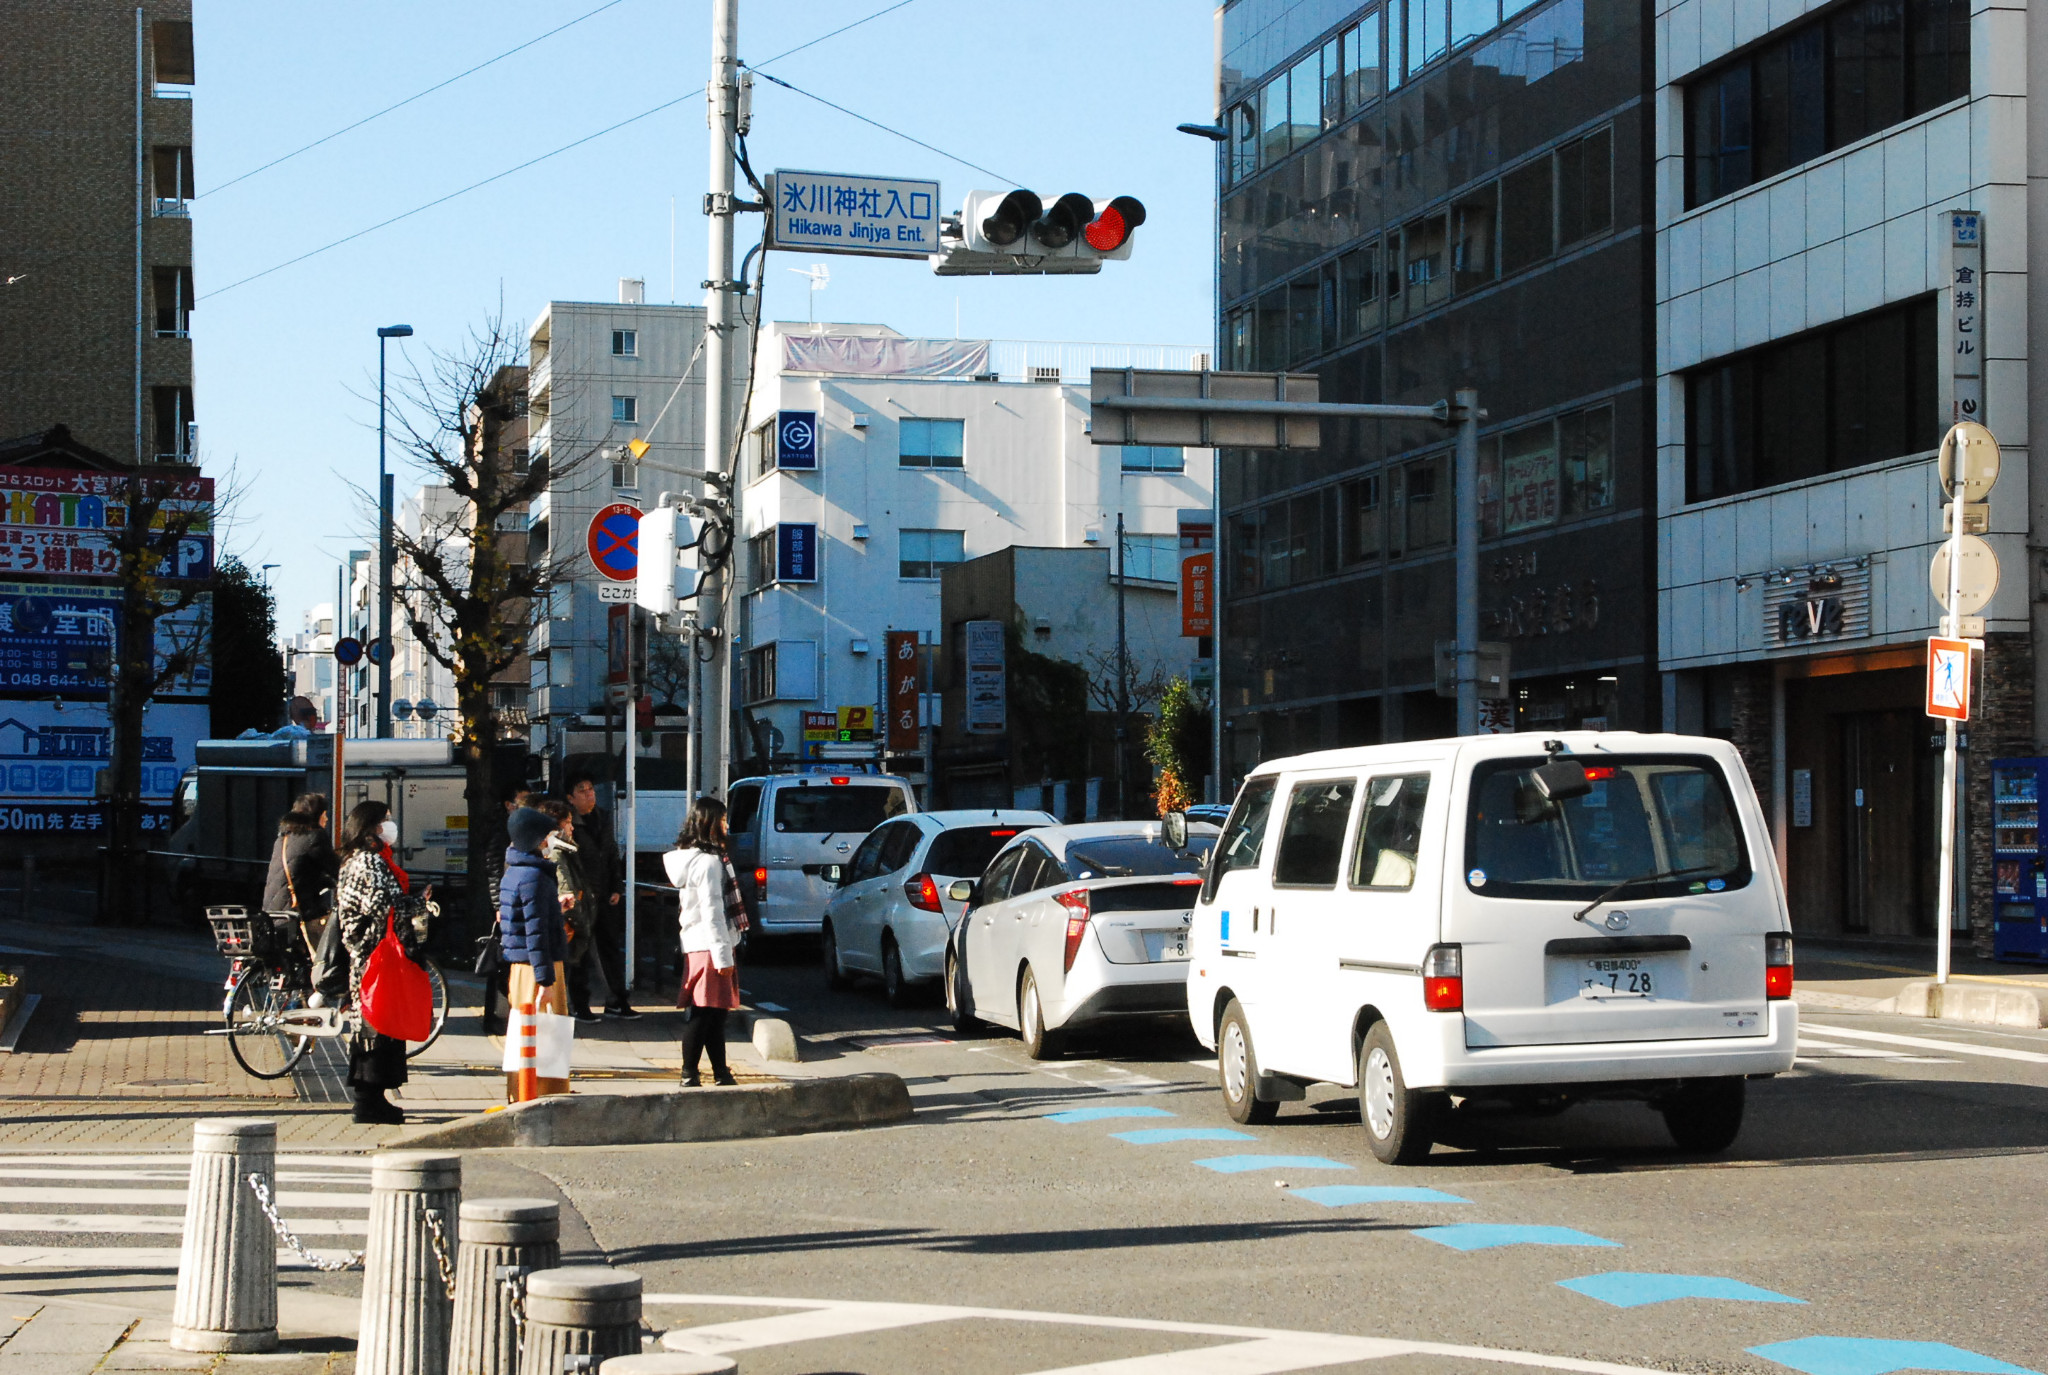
[722,115]
[386,555]
[1123,685]
[1465,486]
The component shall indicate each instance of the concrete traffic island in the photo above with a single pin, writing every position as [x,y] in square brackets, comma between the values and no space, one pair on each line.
[1984,1004]
[704,1114]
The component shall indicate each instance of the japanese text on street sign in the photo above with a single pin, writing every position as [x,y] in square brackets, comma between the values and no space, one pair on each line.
[905,687]
[1966,311]
[1948,679]
[833,212]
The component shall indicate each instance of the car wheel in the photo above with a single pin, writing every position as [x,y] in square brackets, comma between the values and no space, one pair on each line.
[894,989]
[1039,1043]
[1400,1122]
[1705,1116]
[1237,1069]
[828,950]
[957,1006]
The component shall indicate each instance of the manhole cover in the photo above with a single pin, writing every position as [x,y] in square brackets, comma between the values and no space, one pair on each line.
[165,1084]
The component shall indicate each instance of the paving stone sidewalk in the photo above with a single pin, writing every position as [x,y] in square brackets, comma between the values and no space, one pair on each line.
[68,1339]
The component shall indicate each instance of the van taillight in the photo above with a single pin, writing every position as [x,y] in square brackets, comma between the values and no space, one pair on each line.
[1076,903]
[922,893]
[1777,965]
[1443,979]
[760,884]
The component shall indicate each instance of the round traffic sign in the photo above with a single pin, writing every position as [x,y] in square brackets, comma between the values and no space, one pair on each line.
[378,651]
[1968,451]
[1979,576]
[348,650]
[402,708]
[426,707]
[614,541]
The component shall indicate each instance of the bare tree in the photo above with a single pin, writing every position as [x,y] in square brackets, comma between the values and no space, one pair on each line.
[1143,682]
[668,667]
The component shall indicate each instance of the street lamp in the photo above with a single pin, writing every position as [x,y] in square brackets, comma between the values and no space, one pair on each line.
[1216,133]
[266,574]
[384,551]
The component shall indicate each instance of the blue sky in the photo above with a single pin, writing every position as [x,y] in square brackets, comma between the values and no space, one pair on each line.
[1058,95]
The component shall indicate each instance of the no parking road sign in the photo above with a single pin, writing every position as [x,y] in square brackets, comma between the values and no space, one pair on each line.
[614,541]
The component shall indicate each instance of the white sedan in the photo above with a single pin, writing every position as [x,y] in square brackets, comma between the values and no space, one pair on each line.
[1076,925]
[889,914]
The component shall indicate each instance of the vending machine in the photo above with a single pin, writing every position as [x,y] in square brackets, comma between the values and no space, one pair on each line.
[2019,862]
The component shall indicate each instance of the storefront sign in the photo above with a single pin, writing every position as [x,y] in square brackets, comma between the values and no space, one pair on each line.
[61,637]
[987,679]
[1966,311]
[1816,605]
[796,553]
[1528,490]
[51,754]
[796,439]
[1197,591]
[904,690]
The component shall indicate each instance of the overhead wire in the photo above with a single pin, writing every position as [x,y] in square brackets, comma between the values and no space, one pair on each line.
[887,129]
[417,95]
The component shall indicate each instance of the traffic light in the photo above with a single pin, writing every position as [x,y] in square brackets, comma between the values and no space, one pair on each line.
[669,564]
[1001,233]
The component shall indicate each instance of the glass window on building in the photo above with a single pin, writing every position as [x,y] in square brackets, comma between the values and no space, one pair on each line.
[1154,458]
[1585,446]
[925,553]
[1276,139]
[1863,391]
[1472,18]
[1358,291]
[1528,478]
[1428,32]
[625,343]
[1305,100]
[1362,62]
[1304,331]
[1363,529]
[1425,261]
[1242,158]
[1585,188]
[1425,503]
[931,443]
[1527,215]
[1271,348]
[625,410]
[1474,224]
[1859,69]
[1156,557]
[1247,550]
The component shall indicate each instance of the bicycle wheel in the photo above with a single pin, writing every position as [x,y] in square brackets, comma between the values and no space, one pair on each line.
[440,985]
[252,1017]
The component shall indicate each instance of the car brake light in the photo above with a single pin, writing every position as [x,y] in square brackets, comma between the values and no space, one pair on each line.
[760,883]
[1777,965]
[841,782]
[1443,979]
[1599,773]
[1076,902]
[1001,835]
[922,892]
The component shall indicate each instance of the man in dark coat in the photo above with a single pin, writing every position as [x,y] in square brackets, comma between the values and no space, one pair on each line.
[601,869]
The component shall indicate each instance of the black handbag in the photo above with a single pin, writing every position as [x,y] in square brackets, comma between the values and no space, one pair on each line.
[490,955]
[330,961]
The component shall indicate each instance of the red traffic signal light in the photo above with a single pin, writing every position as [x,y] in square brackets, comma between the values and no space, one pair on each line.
[1111,228]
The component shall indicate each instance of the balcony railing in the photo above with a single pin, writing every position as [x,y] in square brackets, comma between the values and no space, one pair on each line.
[173,208]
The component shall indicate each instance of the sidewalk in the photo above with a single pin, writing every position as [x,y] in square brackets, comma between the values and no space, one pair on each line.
[1867,976]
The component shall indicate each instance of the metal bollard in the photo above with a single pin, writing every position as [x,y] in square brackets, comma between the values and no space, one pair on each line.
[409,1265]
[670,1363]
[227,1263]
[500,1237]
[589,1311]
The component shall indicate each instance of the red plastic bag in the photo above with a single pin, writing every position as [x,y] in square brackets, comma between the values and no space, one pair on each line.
[398,998]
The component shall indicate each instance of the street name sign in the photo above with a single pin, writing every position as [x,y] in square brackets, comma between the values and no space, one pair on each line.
[841,212]
[1948,679]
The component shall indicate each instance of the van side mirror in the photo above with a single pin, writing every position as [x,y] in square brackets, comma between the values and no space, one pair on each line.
[1173,830]
[961,890]
[834,874]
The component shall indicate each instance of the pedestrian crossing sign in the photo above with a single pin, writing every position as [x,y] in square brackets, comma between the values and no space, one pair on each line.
[1948,679]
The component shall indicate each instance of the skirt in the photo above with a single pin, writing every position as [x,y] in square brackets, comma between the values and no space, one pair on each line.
[704,986]
[529,997]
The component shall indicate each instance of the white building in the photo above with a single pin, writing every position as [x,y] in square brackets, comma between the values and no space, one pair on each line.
[310,656]
[1810,333]
[872,461]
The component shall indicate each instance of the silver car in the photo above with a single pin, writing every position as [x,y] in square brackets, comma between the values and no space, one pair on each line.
[889,914]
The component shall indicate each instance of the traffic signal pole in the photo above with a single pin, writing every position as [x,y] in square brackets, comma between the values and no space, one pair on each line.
[1465,488]
[722,114]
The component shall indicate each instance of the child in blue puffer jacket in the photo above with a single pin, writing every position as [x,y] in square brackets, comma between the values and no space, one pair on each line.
[532,938]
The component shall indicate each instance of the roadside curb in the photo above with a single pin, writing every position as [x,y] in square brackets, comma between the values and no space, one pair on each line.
[2018,1007]
[708,1114]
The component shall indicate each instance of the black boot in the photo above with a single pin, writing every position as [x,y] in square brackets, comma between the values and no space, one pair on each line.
[714,1047]
[693,1045]
[372,1108]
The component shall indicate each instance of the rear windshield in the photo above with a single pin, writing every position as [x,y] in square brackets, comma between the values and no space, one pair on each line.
[965,852]
[848,807]
[1125,856]
[1669,819]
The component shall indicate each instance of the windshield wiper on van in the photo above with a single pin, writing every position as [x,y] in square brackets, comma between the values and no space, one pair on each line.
[1585,911]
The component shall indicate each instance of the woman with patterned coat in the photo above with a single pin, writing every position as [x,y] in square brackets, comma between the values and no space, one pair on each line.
[370,893]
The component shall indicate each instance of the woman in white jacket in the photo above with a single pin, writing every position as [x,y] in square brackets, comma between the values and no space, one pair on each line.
[710,918]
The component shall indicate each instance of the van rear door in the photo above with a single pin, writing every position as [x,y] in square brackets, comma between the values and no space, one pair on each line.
[1673,946]
[817,820]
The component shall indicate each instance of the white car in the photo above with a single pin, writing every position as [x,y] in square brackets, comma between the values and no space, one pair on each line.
[1073,926]
[890,913]
[1499,917]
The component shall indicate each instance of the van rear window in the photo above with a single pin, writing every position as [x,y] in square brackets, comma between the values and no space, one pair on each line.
[1669,820]
[849,807]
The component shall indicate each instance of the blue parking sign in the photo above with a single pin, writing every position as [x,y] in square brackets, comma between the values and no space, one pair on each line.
[796,439]
[796,553]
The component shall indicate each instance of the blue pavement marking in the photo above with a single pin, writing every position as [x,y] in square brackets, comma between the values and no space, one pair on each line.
[1343,1195]
[1479,1236]
[1100,1114]
[1876,1356]
[1158,1135]
[1238,1164]
[1625,1290]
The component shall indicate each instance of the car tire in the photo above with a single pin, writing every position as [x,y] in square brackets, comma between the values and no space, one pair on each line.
[1237,1070]
[836,976]
[1705,1115]
[894,988]
[1039,1042]
[1400,1122]
[959,1007]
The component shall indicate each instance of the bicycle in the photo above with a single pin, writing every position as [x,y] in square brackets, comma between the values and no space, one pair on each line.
[269,1017]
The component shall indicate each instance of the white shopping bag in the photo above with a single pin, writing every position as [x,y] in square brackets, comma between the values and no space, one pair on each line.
[554,1037]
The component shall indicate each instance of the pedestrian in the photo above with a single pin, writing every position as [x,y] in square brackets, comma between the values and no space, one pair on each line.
[511,797]
[607,894]
[531,936]
[579,913]
[302,870]
[710,918]
[373,895]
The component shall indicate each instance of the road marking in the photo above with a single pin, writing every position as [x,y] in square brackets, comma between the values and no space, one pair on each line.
[1834,1050]
[110,1258]
[1103,1114]
[1344,1195]
[175,1174]
[1160,1135]
[1483,1236]
[100,1164]
[1930,1043]
[1266,1356]
[168,1224]
[1239,1164]
[907,1314]
[1875,1356]
[1622,1289]
[811,1325]
[355,1203]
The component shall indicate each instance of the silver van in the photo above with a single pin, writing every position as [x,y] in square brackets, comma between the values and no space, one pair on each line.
[787,828]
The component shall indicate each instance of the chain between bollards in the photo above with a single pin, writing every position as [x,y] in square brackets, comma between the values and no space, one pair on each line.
[512,1279]
[439,1236]
[317,1261]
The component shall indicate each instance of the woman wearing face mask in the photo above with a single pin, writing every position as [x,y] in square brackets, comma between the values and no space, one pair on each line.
[373,893]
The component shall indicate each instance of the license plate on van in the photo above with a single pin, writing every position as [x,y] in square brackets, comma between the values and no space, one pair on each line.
[1619,977]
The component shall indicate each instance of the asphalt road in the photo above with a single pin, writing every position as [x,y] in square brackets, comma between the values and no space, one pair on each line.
[1893,1184]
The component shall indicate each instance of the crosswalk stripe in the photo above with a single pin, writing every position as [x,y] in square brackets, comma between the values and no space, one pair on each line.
[1267,1356]
[167,1224]
[290,1198]
[110,1258]
[179,1159]
[1930,1043]
[806,1326]
[1833,1050]
[168,1176]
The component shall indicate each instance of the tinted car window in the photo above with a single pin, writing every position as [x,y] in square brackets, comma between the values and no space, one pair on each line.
[899,844]
[995,884]
[1392,832]
[1312,840]
[829,809]
[1244,837]
[1039,870]
[1126,856]
[744,801]
[967,850]
[864,864]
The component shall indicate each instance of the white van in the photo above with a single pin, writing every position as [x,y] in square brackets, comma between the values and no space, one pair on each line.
[1519,917]
[787,828]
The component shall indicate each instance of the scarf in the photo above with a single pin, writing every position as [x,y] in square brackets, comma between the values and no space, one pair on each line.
[735,905]
[391,863]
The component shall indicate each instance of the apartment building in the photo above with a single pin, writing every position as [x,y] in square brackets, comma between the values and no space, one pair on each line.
[309,658]
[1417,196]
[96,289]
[1817,333]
